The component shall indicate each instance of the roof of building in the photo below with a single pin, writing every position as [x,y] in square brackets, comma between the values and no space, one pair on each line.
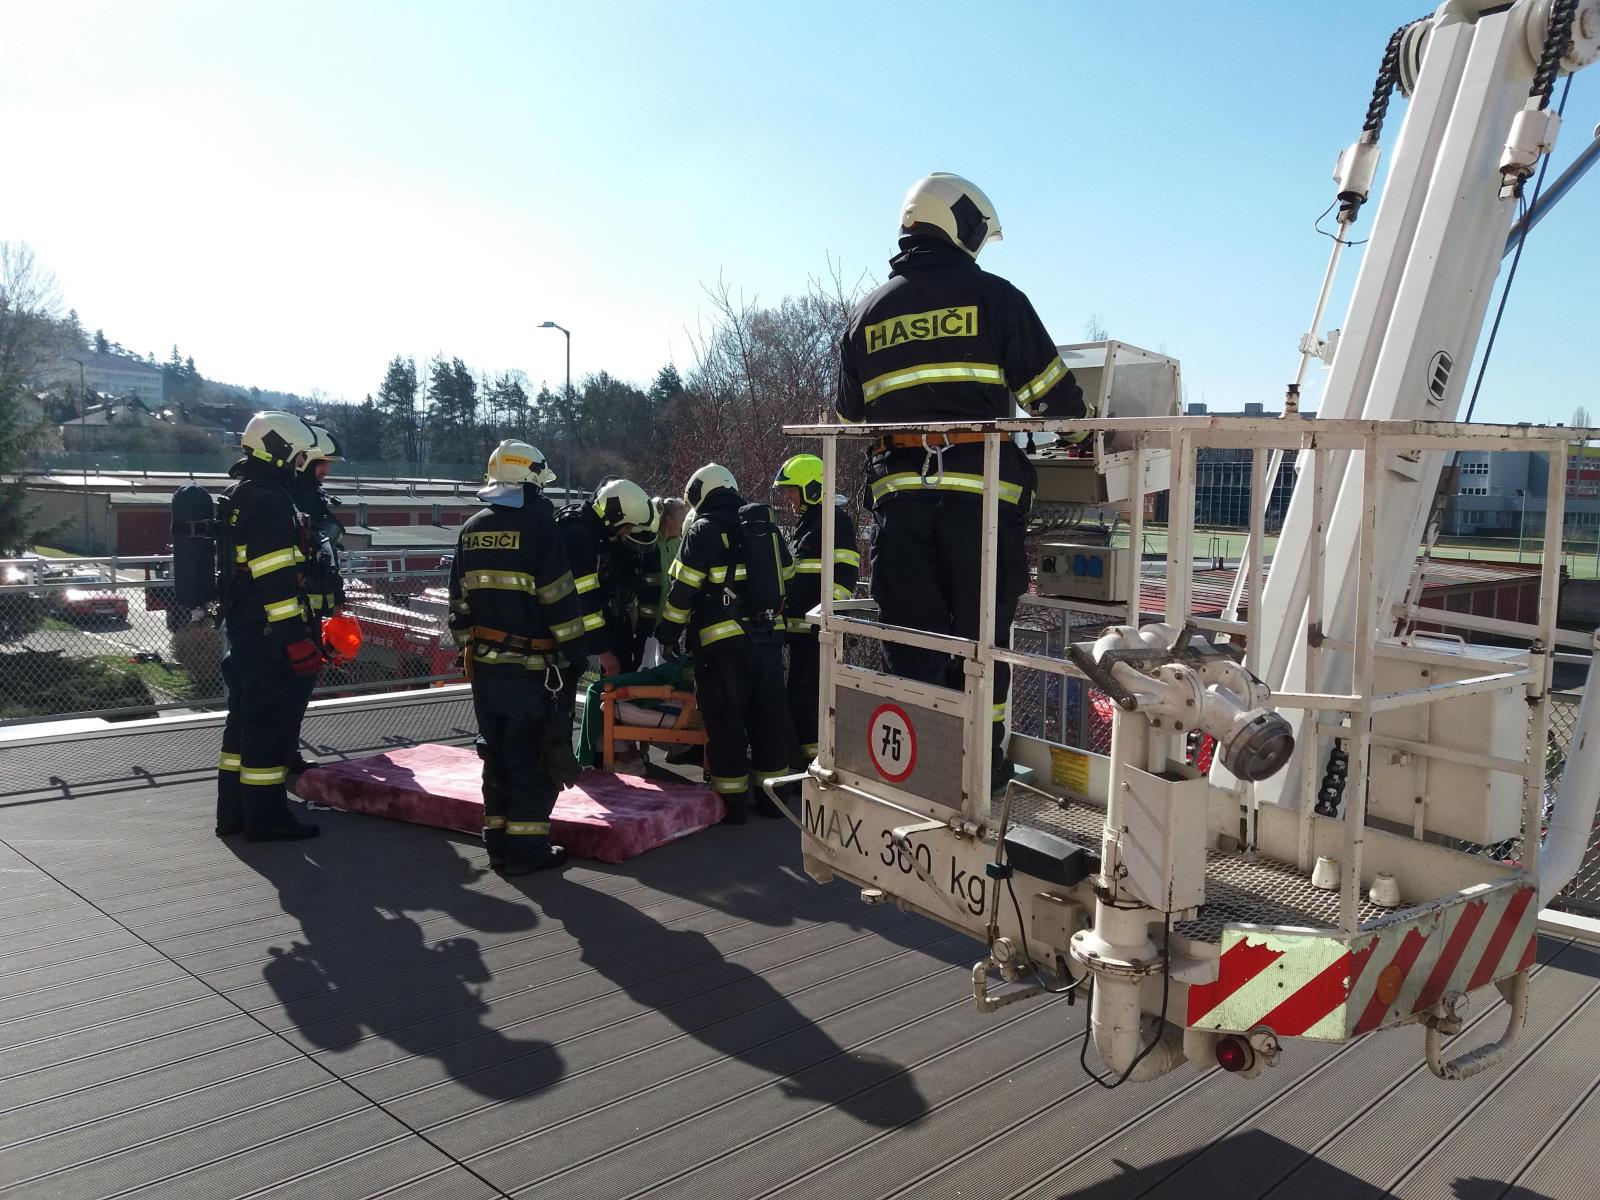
[1208,589]
[400,537]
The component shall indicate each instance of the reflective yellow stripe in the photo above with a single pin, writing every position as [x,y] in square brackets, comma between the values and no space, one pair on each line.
[227,762]
[551,592]
[808,566]
[680,571]
[263,776]
[961,372]
[719,574]
[501,581]
[586,583]
[282,610]
[238,554]
[797,625]
[950,481]
[593,621]
[763,776]
[850,558]
[1042,382]
[460,636]
[720,630]
[840,592]
[568,630]
[527,828]
[999,712]
[725,785]
[275,561]
[676,615]
[494,822]
[809,749]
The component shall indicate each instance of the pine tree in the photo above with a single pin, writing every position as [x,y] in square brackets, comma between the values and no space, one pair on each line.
[397,405]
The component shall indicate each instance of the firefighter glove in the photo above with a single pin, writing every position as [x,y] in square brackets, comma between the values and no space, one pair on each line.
[304,657]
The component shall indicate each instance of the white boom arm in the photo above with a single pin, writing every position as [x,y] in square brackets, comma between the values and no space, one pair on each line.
[1415,317]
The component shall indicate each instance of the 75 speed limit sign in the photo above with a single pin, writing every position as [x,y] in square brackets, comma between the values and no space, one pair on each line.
[891,742]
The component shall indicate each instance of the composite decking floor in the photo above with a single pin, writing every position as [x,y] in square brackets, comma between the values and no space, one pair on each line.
[371,1014]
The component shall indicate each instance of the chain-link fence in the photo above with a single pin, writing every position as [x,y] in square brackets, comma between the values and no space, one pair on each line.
[1582,894]
[102,637]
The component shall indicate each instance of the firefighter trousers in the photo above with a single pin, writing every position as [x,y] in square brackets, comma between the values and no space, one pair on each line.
[512,707]
[925,559]
[264,709]
[804,680]
[738,685]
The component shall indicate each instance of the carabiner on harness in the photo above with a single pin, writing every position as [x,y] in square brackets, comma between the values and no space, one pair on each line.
[553,669]
[933,456]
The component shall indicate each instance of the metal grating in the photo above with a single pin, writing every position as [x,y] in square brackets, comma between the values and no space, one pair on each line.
[1257,890]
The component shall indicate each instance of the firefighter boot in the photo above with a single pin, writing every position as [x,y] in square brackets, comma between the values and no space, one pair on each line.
[230,817]
[736,807]
[526,860]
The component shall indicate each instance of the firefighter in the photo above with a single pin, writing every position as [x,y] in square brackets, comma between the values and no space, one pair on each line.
[670,511]
[513,606]
[799,484]
[274,645]
[944,340]
[727,585]
[324,585]
[594,532]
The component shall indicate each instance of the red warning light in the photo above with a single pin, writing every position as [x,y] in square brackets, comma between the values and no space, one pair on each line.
[1234,1054]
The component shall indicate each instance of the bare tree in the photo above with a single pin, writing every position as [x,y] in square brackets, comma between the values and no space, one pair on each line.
[1094,329]
[29,302]
[1580,417]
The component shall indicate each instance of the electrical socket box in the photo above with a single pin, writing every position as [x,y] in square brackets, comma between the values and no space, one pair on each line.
[1455,799]
[1053,919]
[1119,380]
[1073,571]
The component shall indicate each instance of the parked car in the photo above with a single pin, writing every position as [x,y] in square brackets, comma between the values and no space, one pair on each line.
[88,596]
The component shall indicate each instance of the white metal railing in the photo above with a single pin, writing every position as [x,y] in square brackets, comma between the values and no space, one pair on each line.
[1348,710]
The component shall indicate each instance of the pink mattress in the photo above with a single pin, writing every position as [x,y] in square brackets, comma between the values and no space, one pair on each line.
[604,816]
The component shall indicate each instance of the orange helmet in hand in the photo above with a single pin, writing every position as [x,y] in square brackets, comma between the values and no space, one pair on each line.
[341,634]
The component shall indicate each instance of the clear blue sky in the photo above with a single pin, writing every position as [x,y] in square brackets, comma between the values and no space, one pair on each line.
[296,191]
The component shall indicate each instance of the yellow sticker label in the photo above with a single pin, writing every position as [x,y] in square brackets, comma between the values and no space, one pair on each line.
[506,540]
[923,327]
[1070,770]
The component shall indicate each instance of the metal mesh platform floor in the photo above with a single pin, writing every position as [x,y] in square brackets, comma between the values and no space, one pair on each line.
[1261,891]
[369,1014]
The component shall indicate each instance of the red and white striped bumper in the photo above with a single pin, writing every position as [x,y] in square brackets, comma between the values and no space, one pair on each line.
[1316,984]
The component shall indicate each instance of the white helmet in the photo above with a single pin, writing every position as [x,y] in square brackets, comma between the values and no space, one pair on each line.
[619,502]
[277,437]
[326,449]
[517,462]
[955,207]
[709,478]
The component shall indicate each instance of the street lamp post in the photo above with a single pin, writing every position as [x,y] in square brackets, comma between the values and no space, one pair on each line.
[566,409]
[83,450]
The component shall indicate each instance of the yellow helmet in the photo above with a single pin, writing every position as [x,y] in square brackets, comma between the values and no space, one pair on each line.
[955,207]
[803,471]
[619,502]
[517,462]
[277,438]
[327,448]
